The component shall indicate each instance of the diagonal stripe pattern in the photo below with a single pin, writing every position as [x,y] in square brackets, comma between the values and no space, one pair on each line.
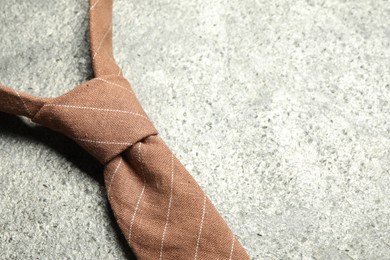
[102,118]
[159,207]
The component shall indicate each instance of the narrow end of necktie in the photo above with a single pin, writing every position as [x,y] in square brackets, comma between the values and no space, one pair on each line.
[159,207]
[19,103]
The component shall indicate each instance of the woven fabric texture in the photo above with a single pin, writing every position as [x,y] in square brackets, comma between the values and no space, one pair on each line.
[159,207]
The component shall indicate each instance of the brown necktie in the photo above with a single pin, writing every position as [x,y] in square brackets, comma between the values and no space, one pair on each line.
[159,207]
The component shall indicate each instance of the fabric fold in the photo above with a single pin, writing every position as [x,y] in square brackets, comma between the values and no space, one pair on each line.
[102,115]
[165,214]
[159,207]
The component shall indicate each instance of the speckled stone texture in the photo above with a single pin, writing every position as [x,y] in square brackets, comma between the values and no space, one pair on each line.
[280,109]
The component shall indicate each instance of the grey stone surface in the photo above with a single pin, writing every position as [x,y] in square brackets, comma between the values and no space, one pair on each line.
[280,109]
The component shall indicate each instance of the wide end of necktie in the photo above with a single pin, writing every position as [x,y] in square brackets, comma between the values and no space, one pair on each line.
[160,208]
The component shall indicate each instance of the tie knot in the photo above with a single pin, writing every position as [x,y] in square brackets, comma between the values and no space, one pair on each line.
[102,115]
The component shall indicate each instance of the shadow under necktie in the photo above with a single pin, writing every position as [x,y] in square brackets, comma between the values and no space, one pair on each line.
[15,127]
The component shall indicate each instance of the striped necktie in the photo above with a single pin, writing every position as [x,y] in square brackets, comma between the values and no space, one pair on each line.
[159,207]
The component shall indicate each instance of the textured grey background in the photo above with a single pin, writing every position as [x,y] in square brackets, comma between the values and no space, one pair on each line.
[280,109]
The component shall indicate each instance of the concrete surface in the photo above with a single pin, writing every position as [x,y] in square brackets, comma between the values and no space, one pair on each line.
[280,109]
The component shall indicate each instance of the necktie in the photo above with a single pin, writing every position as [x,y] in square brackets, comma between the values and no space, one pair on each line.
[159,207]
